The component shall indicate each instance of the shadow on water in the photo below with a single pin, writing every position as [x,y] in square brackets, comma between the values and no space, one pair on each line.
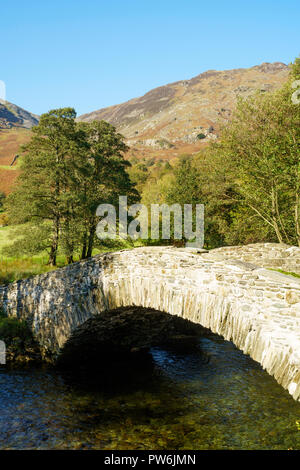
[203,394]
[135,370]
[111,374]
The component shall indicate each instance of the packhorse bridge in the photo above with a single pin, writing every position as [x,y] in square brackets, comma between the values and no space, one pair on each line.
[254,307]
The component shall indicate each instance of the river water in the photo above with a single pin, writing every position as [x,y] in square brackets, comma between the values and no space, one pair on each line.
[207,396]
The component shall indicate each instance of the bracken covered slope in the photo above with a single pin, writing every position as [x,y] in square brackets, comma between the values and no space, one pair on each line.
[15,125]
[185,115]
[10,142]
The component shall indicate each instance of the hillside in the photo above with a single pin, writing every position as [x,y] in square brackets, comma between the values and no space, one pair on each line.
[15,125]
[14,116]
[168,121]
[183,116]
[10,141]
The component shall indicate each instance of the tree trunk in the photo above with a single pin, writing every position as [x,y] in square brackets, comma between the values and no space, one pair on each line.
[279,218]
[54,246]
[91,240]
[297,222]
[84,247]
[70,259]
[274,218]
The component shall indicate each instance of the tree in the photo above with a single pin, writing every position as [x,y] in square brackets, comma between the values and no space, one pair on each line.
[2,199]
[199,179]
[3,216]
[68,169]
[104,179]
[295,69]
[249,181]
[260,150]
[185,188]
[42,192]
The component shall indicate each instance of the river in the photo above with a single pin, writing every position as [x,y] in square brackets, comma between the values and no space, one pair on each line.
[207,396]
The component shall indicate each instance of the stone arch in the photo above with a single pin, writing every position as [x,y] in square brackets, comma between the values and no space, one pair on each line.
[256,309]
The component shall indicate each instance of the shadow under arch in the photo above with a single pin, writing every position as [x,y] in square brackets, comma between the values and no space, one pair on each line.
[125,334]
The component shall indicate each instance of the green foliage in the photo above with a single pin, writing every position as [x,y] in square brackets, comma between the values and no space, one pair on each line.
[21,347]
[185,188]
[2,198]
[11,328]
[67,170]
[201,136]
[260,151]
[29,239]
[199,180]
[13,269]
[295,69]
[249,181]
[16,267]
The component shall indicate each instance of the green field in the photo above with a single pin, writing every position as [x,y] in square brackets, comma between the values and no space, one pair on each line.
[14,268]
[11,168]
[5,237]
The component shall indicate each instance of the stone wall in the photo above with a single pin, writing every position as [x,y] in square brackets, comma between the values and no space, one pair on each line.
[267,255]
[257,309]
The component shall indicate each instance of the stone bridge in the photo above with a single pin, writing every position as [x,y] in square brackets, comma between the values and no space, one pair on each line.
[256,308]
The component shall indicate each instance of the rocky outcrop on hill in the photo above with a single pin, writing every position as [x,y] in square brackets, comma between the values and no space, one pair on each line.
[188,113]
[14,116]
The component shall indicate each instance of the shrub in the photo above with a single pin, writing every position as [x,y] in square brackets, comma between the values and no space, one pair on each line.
[21,347]
[13,328]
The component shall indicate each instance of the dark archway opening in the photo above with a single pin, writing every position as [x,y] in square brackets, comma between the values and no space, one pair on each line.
[118,341]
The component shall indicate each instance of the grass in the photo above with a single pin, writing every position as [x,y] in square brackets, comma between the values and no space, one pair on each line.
[15,268]
[286,272]
[15,166]
[7,167]
[5,236]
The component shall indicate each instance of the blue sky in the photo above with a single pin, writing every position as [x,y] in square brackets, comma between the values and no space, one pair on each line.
[93,53]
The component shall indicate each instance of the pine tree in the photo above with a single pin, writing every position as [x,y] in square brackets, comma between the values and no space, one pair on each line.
[42,193]
[105,177]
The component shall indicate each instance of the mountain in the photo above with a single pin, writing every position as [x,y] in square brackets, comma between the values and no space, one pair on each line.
[14,116]
[183,116]
[168,121]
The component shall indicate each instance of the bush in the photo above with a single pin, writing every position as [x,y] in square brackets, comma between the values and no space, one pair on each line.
[13,328]
[21,347]
[3,219]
